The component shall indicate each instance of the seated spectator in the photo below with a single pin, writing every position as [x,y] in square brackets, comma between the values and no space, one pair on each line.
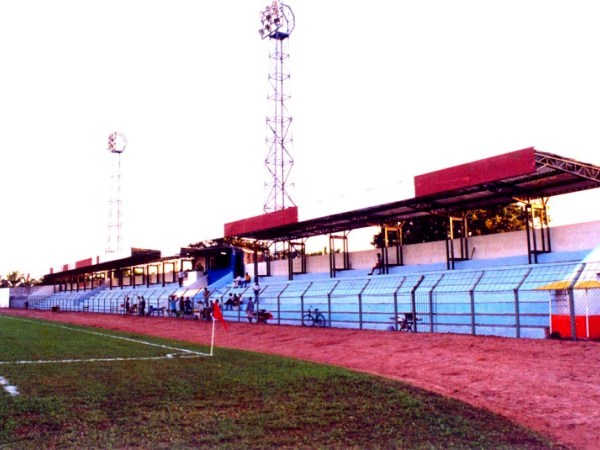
[229,302]
[237,281]
[247,280]
[378,265]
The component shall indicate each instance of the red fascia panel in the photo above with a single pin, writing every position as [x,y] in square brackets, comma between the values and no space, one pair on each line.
[507,165]
[263,222]
[83,263]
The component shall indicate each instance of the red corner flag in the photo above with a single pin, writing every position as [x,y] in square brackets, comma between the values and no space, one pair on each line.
[217,314]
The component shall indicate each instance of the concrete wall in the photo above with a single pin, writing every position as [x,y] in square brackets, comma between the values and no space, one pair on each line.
[4,297]
[564,239]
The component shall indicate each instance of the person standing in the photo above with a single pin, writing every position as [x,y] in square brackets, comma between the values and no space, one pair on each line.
[142,306]
[173,305]
[201,309]
[206,296]
[188,307]
[250,309]
[181,306]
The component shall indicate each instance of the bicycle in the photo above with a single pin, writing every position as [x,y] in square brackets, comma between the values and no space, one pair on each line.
[312,318]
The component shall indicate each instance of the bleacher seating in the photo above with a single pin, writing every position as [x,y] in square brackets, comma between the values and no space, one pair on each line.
[482,299]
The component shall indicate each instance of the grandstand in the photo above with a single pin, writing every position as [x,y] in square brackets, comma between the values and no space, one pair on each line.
[540,282]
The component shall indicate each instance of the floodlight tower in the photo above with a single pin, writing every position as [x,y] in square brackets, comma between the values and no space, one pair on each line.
[277,23]
[116,145]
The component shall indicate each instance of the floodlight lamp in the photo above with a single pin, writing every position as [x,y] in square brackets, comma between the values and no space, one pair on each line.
[117,142]
[277,21]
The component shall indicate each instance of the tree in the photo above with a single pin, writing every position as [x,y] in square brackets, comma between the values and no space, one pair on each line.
[500,219]
[16,279]
[496,220]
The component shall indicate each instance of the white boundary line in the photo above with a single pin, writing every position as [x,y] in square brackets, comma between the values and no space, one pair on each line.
[187,353]
[58,361]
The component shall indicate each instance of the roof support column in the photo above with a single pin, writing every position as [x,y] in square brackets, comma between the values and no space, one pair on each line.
[536,223]
[296,253]
[333,252]
[463,242]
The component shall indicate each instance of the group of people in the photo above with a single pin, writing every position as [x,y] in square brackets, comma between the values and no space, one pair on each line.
[234,301]
[138,308]
[180,306]
[242,282]
[184,306]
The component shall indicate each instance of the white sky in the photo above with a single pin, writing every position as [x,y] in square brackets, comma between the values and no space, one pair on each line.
[381,92]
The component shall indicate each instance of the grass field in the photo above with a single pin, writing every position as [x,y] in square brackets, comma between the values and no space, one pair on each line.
[73,387]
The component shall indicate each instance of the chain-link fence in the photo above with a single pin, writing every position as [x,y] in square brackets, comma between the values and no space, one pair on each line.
[551,300]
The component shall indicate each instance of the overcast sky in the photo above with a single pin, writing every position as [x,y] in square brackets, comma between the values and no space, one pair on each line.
[381,92]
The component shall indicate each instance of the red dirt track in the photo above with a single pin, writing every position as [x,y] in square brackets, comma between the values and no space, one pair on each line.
[550,386]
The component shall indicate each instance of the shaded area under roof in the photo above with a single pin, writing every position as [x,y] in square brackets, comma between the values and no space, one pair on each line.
[497,181]
[138,256]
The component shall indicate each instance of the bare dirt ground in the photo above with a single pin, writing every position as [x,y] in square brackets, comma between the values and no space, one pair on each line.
[547,385]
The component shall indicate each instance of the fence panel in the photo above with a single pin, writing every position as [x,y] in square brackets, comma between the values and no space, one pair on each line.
[560,300]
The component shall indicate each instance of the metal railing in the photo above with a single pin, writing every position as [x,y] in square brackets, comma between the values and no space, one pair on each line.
[552,300]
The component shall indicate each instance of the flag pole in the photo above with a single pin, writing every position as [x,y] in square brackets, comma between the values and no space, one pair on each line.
[212,339]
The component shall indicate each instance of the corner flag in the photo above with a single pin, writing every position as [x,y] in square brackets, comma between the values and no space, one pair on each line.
[218,314]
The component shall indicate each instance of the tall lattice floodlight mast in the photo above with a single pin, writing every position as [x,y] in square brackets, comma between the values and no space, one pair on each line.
[277,23]
[116,145]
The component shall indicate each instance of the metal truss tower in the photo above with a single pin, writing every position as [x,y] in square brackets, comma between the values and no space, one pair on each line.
[277,23]
[116,145]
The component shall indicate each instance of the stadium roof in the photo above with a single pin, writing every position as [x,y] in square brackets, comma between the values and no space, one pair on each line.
[138,257]
[500,180]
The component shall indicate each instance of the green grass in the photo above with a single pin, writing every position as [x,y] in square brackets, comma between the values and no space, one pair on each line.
[231,400]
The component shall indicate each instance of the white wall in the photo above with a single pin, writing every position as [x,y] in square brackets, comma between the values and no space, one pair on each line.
[4,297]
[566,238]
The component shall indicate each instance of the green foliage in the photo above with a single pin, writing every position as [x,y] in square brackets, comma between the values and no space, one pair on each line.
[232,400]
[480,222]
[496,220]
[16,279]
